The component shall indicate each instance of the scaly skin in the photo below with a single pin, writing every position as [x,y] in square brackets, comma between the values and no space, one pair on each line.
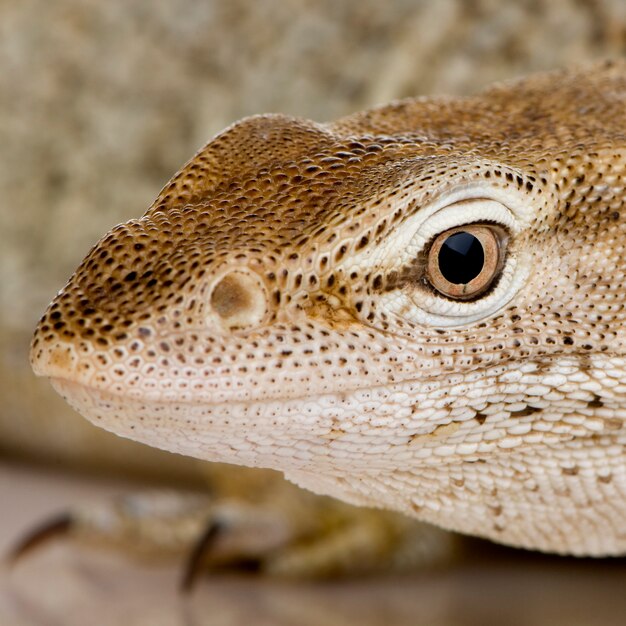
[272,308]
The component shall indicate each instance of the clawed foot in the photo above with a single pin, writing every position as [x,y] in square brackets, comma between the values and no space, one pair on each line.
[301,535]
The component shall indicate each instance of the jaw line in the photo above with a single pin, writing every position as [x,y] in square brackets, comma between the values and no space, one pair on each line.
[61,384]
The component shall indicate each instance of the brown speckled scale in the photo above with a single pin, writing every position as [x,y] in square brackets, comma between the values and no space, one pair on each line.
[272,308]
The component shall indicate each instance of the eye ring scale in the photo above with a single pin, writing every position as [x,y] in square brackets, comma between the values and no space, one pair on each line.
[464,261]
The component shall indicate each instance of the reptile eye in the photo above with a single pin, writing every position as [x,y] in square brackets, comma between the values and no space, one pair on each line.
[464,261]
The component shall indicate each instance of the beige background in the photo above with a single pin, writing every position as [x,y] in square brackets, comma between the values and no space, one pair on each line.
[100,102]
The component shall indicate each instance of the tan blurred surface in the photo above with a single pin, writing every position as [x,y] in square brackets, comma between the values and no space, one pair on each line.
[66,586]
[100,102]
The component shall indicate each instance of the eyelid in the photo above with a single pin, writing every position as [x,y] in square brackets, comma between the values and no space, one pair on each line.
[418,302]
[410,296]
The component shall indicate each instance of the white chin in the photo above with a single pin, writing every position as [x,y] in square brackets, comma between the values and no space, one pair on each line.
[212,432]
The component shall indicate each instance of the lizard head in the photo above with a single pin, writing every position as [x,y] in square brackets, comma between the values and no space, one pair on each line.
[419,306]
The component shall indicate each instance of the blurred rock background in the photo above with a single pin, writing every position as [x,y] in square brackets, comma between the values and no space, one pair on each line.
[100,102]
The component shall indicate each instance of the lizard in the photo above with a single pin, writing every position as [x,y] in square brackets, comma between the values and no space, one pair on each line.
[420,307]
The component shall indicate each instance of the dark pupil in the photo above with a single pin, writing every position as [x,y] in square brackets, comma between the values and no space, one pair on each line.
[461,258]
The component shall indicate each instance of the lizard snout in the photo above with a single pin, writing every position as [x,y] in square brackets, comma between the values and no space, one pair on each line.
[57,360]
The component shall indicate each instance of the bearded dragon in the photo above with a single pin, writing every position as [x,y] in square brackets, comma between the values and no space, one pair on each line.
[420,307]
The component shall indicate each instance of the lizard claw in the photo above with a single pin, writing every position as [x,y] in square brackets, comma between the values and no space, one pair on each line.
[59,525]
[193,565]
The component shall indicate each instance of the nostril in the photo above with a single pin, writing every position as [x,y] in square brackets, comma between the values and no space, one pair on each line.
[240,300]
